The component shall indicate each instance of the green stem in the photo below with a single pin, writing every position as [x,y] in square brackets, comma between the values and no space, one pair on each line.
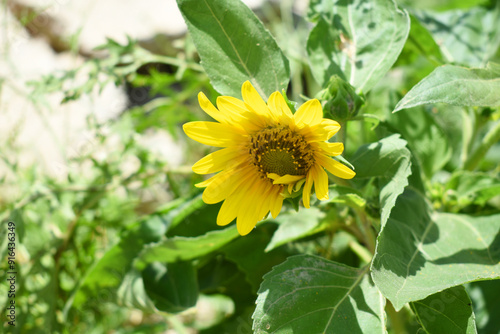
[397,321]
[174,61]
[467,130]
[492,137]
[369,237]
[363,253]
[342,134]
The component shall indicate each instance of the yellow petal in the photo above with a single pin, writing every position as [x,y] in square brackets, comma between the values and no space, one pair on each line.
[306,192]
[248,213]
[205,183]
[234,203]
[213,134]
[226,214]
[228,211]
[238,112]
[320,182]
[253,100]
[276,203]
[265,203]
[330,126]
[278,106]
[209,108]
[226,183]
[231,106]
[330,148]
[308,114]
[286,179]
[335,167]
[273,176]
[321,132]
[245,224]
[218,160]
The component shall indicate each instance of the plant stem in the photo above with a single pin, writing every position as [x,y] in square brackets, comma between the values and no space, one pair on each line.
[467,130]
[492,137]
[363,253]
[342,134]
[397,321]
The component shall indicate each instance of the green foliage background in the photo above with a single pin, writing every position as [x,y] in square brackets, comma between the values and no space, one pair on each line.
[411,244]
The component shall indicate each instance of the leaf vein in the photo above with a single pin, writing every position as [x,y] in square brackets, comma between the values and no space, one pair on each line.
[255,83]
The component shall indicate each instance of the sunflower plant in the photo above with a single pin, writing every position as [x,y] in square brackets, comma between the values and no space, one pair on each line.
[412,255]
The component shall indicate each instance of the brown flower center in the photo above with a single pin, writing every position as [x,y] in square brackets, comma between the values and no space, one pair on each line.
[280,150]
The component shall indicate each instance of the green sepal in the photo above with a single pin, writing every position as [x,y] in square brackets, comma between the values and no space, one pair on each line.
[342,102]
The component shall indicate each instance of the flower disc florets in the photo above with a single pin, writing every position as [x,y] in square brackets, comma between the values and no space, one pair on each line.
[281,151]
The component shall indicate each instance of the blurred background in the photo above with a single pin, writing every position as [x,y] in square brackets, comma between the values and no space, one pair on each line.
[92,98]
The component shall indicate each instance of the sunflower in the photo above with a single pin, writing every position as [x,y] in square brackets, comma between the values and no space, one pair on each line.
[268,154]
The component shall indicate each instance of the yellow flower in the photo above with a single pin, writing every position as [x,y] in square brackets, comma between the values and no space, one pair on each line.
[268,154]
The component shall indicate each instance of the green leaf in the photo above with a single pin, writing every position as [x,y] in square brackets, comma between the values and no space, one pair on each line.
[457,86]
[473,187]
[234,46]
[172,287]
[420,41]
[192,219]
[181,213]
[296,225]
[470,37]
[182,248]
[485,297]
[425,138]
[132,293]
[249,255]
[357,40]
[389,160]
[449,311]
[421,252]
[309,294]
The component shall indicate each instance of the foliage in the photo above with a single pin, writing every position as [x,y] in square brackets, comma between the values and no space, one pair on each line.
[411,244]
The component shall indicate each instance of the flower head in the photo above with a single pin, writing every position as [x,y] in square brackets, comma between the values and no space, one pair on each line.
[268,154]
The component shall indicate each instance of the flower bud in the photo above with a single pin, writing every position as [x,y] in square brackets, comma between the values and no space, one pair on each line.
[342,102]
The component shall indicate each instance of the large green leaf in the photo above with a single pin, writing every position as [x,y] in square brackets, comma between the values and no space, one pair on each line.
[234,46]
[172,287]
[357,40]
[295,225]
[449,311]
[389,160]
[456,85]
[421,252]
[425,138]
[169,288]
[469,37]
[182,248]
[309,294]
